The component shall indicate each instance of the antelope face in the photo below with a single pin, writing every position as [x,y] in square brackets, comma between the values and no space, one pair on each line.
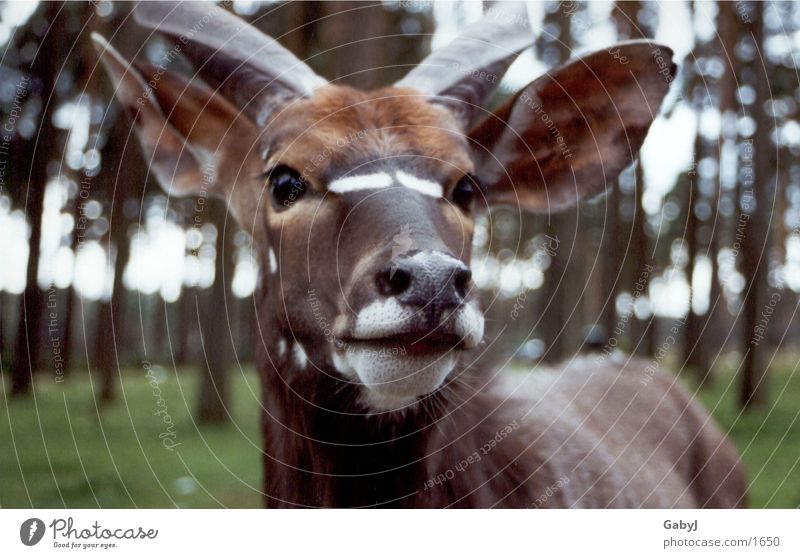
[362,203]
[371,198]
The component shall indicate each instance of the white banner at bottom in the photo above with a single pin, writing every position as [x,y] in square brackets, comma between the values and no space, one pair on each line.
[400,533]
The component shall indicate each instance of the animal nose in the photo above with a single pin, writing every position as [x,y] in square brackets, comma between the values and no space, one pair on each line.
[426,280]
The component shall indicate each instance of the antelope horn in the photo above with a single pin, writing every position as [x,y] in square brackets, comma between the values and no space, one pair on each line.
[247,67]
[463,74]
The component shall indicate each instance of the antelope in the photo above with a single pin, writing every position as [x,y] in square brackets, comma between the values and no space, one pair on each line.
[362,205]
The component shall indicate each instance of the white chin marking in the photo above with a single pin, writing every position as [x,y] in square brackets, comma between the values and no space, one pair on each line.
[392,378]
[385,318]
[468,324]
[342,366]
[382,318]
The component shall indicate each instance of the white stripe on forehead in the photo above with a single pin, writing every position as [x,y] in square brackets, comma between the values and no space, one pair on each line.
[381,180]
[427,187]
[361,182]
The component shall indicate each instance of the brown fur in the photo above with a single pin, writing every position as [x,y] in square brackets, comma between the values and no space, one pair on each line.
[395,123]
[594,433]
[591,435]
[616,441]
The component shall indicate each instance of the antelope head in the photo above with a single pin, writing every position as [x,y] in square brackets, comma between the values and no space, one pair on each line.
[362,203]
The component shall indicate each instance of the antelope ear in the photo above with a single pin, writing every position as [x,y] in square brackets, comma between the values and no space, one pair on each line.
[568,134]
[183,127]
[462,75]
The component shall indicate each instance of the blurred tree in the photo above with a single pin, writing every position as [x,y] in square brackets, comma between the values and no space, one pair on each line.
[710,342]
[88,90]
[118,182]
[696,89]
[637,21]
[693,357]
[32,174]
[369,45]
[757,203]
[561,330]
[623,243]
[215,321]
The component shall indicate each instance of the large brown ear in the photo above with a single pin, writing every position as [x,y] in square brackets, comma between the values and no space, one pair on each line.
[183,126]
[568,134]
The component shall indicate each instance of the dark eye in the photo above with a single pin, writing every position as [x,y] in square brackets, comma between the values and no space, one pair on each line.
[286,186]
[463,192]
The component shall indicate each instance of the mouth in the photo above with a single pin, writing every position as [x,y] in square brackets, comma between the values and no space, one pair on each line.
[398,363]
[394,377]
[422,342]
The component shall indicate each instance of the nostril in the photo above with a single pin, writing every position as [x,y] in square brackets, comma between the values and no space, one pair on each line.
[393,281]
[461,282]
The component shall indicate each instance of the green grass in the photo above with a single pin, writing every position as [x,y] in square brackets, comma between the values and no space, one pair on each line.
[58,451]
[768,438]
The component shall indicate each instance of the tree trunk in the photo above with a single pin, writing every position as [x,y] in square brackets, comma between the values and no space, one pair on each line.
[32,329]
[719,318]
[118,181]
[691,356]
[186,317]
[610,262]
[642,338]
[215,337]
[636,276]
[758,200]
